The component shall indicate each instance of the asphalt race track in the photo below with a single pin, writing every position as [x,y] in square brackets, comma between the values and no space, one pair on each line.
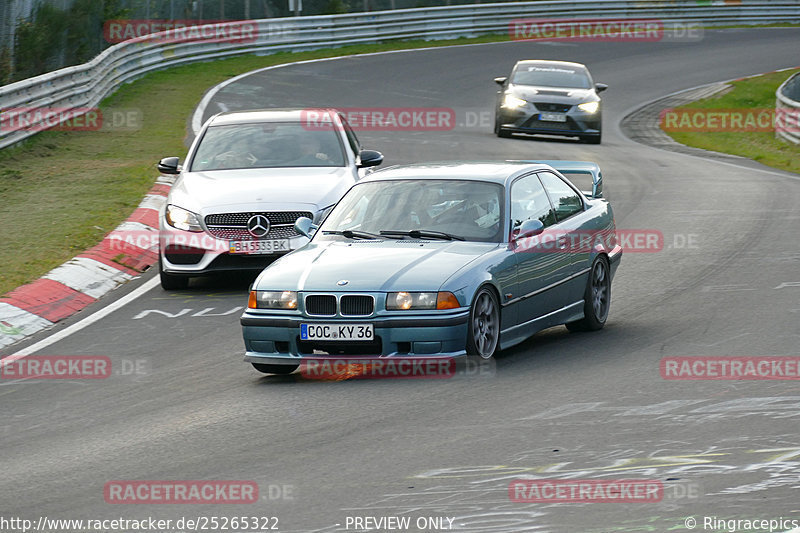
[183,406]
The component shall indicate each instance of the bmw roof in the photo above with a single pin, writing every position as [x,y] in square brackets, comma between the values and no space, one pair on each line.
[493,171]
[268,115]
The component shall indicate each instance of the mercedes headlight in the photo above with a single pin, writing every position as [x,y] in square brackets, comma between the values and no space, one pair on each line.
[510,101]
[589,107]
[180,218]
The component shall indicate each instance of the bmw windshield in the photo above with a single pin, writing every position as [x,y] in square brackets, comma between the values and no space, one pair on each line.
[462,210]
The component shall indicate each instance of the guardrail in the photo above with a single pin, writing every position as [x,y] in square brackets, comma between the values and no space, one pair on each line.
[84,86]
[787,109]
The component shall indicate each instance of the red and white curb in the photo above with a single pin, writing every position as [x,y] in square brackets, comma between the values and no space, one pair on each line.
[68,288]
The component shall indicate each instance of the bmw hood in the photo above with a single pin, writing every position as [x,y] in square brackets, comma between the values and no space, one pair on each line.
[402,265]
[561,95]
[264,189]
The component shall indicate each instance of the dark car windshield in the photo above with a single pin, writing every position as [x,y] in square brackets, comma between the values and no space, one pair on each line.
[546,76]
[268,144]
[471,210]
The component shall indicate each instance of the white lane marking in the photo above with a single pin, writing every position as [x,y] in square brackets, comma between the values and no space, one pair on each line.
[88,321]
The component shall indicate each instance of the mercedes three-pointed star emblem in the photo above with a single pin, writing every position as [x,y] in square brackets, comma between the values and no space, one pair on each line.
[258,226]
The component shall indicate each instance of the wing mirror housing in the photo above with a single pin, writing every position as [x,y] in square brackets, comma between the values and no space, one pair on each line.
[369,158]
[169,165]
[600,87]
[529,228]
[501,80]
[305,227]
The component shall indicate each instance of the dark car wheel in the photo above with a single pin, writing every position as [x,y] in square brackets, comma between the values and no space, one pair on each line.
[484,324]
[592,139]
[500,132]
[596,298]
[171,282]
[275,369]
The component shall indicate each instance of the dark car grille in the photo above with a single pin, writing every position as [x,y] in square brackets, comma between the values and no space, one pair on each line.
[349,305]
[233,226]
[357,305]
[549,107]
[321,304]
[534,124]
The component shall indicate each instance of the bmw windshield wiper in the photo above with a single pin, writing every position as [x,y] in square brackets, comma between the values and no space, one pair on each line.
[422,234]
[352,234]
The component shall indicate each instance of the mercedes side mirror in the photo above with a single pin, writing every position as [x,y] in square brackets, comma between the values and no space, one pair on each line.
[169,165]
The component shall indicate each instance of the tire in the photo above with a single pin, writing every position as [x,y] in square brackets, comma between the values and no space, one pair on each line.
[596,298]
[275,369]
[171,282]
[483,332]
[500,132]
[592,139]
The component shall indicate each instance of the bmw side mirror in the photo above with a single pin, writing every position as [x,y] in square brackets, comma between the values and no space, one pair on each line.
[169,165]
[529,228]
[305,227]
[369,158]
[600,87]
[501,80]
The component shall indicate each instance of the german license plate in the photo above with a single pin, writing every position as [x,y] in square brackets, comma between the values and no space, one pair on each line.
[553,117]
[259,247]
[336,332]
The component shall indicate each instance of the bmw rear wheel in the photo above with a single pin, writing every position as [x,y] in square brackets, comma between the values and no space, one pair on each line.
[596,299]
[484,324]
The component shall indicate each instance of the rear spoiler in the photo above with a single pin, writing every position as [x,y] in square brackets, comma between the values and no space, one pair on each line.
[578,167]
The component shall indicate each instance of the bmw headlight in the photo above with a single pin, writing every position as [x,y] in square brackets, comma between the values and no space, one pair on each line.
[589,107]
[272,300]
[510,101]
[404,301]
[180,218]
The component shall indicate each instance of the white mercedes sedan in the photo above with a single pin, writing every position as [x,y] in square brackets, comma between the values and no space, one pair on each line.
[248,176]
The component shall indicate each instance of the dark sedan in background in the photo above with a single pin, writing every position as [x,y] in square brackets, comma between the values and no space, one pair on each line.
[549,97]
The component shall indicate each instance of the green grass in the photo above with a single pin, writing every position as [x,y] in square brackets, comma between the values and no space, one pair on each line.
[61,192]
[751,93]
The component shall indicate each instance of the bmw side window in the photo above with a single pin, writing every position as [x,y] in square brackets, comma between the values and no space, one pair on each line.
[565,199]
[529,202]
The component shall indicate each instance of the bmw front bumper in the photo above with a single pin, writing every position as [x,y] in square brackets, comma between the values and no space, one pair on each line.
[275,339]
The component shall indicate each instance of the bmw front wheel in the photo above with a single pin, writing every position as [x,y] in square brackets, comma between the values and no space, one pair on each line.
[484,324]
